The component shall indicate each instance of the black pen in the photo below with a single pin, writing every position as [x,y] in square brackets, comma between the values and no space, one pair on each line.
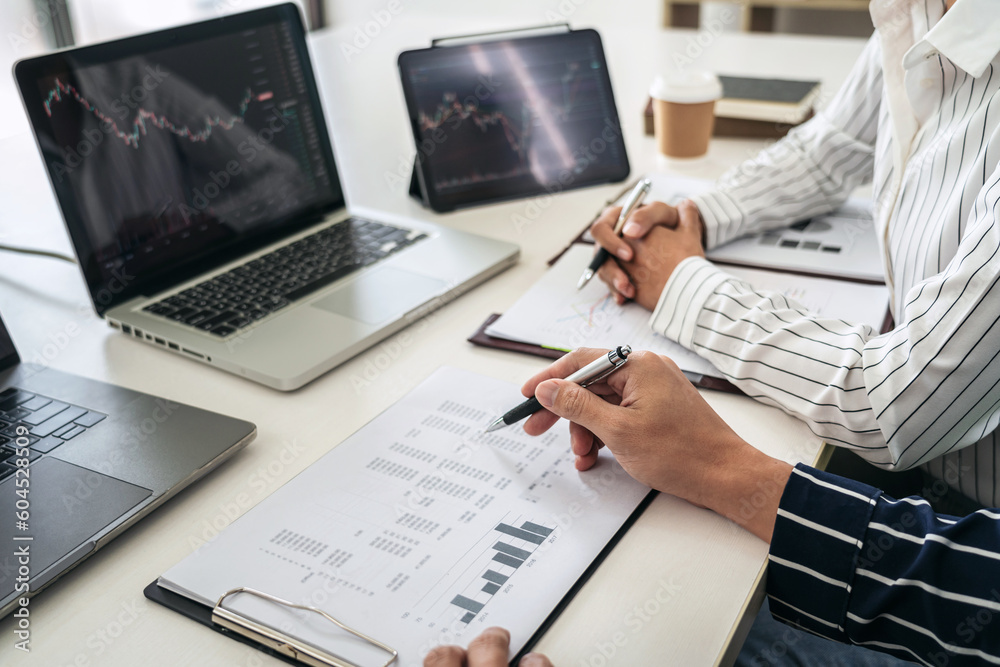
[634,199]
[593,372]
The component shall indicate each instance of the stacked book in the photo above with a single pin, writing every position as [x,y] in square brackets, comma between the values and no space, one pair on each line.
[756,107]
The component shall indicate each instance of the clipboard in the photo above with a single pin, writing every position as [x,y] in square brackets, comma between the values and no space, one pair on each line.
[277,644]
[269,640]
[483,339]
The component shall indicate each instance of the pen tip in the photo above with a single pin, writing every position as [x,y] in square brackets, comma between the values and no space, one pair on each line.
[498,423]
[584,279]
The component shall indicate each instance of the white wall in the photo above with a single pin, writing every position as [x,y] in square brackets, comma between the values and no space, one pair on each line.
[99,20]
[524,13]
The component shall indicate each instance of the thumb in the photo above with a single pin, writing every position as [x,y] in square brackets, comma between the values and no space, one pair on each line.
[571,401]
[689,217]
[646,217]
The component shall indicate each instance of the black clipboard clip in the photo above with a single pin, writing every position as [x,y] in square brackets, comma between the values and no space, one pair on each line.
[282,643]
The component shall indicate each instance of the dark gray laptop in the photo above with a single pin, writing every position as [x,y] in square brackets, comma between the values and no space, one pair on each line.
[197,180]
[81,461]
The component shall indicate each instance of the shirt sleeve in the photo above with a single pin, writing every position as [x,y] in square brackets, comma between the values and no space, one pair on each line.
[899,399]
[812,170]
[852,565]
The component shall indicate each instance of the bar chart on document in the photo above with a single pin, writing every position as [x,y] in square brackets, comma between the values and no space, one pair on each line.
[494,560]
[422,528]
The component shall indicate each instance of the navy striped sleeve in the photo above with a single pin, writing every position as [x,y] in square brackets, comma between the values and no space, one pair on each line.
[855,566]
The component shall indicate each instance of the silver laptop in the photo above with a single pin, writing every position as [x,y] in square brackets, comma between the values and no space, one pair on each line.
[81,461]
[197,180]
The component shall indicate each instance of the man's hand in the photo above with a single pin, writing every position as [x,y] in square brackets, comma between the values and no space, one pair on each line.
[663,433]
[654,241]
[487,650]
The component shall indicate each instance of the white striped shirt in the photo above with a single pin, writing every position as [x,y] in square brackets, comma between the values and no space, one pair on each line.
[919,117]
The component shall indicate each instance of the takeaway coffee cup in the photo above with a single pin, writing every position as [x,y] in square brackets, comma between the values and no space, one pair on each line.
[684,112]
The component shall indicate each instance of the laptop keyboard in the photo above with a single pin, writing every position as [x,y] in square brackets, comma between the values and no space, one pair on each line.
[236,299]
[50,423]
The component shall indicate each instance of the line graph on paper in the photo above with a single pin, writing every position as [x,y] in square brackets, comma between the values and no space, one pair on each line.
[591,318]
[588,313]
[554,314]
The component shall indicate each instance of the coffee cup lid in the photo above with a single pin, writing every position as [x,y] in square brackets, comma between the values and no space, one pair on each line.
[687,87]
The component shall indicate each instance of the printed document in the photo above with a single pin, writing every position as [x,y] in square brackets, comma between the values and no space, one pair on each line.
[553,313]
[421,529]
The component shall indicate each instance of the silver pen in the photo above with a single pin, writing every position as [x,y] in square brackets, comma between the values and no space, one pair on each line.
[593,372]
[634,199]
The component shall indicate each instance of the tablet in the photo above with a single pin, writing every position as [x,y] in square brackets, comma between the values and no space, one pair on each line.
[509,118]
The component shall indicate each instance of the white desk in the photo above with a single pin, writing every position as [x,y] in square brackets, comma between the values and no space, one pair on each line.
[674,589]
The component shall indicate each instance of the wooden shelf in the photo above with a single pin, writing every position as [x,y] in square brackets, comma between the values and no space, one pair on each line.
[755,15]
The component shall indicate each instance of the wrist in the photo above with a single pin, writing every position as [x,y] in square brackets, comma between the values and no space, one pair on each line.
[747,488]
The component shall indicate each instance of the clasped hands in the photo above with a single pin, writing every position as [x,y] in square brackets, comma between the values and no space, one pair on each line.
[655,239]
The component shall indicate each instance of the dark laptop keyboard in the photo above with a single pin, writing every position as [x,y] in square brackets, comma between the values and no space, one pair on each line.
[234,300]
[50,423]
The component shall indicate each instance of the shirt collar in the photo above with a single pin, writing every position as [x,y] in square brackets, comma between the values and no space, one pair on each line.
[968,34]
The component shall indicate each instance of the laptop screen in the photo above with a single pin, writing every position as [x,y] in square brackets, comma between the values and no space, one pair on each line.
[8,355]
[173,152]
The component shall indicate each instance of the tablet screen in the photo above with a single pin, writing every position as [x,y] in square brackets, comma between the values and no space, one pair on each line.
[512,118]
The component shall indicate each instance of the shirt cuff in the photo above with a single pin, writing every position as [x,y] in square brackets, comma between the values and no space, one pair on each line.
[684,295]
[818,535]
[722,216]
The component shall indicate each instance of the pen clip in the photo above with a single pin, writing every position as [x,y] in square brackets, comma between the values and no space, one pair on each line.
[282,642]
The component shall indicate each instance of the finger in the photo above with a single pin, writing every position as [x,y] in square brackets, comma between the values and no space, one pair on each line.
[690,218]
[608,218]
[584,445]
[543,420]
[445,656]
[540,422]
[602,389]
[644,369]
[534,660]
[490,648]
[564,366]
[612,275]
[647,217]
[603,231]
[581,441]
[573,402]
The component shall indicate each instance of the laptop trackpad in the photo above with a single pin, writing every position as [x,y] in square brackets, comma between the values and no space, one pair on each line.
[383,293]
[68,505]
